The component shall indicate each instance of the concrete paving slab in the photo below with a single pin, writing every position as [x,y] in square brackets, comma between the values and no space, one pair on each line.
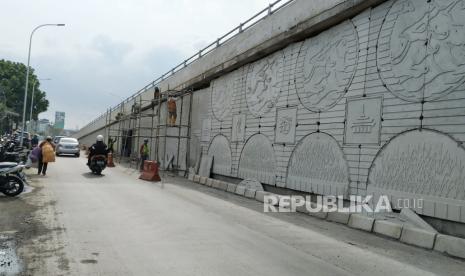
[387,228]
[450,245]
[216,184]
[361,222]
[209,182]
[223,186]
[203,180]
[196,178]
[231,188]
[250,193]
[339,217]
[418,237]
[240,190]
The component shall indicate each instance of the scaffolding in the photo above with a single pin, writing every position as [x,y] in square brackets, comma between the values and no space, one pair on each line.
[147,119]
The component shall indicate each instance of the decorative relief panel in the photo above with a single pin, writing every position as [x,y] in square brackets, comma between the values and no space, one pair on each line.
[317,165]
[206,129]
[221,152]
[421,48]
[363,121]
[258,160]
[264,83]
[286,120]
[423,163]
[222,96]
[238,128]
[329,61]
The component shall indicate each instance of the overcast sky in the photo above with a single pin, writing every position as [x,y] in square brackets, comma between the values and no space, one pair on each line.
[110,49]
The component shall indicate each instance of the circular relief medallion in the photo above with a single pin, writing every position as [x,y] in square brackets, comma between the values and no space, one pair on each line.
[328,62]
[263,84]
[421,48]
[222,96]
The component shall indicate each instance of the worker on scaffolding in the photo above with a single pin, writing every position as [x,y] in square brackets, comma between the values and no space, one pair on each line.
[111,144]
[172,113]
[144,153]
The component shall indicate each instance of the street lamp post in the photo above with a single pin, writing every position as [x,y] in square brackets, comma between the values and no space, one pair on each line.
[27,76]
[32,99]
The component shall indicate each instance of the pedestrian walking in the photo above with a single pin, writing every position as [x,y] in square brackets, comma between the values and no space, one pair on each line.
[144,153]
[47,155]
[34,141]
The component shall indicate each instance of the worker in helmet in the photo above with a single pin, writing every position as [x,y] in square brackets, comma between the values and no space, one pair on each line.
[144,153]
[99,148]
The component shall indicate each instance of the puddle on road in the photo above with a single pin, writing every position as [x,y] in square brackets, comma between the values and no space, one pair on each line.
[9,261]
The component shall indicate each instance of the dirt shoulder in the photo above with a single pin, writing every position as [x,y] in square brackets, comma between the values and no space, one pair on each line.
[29,232]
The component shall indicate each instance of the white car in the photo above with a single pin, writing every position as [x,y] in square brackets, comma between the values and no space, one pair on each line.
[68,146]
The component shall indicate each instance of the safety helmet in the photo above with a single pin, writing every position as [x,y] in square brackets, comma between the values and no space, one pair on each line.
[99,138]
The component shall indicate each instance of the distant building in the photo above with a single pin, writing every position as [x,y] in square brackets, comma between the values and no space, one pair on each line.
[42,125]
[59,120]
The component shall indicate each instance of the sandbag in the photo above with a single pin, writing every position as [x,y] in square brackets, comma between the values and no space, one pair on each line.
[48,154]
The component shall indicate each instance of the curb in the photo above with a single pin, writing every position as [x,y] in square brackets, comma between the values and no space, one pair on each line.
[361,222]
[418,237]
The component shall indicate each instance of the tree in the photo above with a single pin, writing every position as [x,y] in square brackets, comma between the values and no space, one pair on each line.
[12,83]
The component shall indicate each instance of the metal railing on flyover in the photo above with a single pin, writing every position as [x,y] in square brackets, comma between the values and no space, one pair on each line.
[270,9]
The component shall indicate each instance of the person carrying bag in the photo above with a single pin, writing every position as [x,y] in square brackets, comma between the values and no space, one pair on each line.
[47,156]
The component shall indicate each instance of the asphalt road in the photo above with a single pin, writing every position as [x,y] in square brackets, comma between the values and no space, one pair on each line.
[75,223]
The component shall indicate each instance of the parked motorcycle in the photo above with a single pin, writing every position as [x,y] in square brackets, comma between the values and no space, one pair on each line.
[98,163]
[12,178]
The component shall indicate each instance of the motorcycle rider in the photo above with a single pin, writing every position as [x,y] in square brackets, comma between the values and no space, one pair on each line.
[99,148]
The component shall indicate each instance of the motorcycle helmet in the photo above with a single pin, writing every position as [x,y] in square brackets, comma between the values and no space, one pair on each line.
[99,138]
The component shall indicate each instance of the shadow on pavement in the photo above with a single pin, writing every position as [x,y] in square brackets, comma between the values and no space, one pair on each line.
[91,175]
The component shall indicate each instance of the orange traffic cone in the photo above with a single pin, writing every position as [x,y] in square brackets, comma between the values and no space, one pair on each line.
[110,163]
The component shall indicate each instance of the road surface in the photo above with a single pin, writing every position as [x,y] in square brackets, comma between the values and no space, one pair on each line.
[75,223]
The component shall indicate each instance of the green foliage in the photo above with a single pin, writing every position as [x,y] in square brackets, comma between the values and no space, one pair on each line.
[12,83]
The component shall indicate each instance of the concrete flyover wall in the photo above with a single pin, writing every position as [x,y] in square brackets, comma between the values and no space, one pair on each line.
[372,104]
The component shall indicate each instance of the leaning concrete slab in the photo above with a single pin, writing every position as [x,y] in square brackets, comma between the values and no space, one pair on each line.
[196,178]
[339,217]
[412,217]
[191,177]
[387,228]
[418,237]
[450,245]
[203,180]
[361,222]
